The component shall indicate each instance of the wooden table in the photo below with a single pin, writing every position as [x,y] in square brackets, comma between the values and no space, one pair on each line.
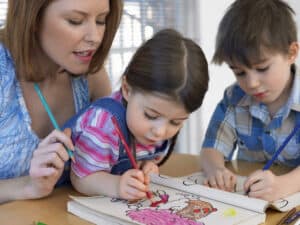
[52,210]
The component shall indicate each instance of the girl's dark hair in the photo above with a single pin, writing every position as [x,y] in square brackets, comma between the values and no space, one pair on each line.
[251,27]
[172,65]
[20,36]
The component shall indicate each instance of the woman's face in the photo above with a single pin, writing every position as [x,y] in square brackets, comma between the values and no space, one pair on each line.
[72,30]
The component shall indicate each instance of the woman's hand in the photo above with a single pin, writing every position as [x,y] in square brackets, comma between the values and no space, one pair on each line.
[47,163]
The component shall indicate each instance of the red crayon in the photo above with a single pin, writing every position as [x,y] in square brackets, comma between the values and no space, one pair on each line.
[127,149]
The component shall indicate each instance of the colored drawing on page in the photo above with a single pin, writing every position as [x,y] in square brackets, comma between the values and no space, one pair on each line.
[181,208]
[230,212]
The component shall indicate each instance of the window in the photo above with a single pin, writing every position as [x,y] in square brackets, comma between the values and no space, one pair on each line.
[3,8]
[140,20]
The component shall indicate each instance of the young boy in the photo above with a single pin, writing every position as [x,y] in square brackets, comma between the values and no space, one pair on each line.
[258,41]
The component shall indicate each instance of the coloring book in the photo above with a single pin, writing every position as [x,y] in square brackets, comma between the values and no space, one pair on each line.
[180,201]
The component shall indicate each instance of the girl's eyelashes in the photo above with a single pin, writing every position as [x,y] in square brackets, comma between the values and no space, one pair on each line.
[175,123]
[151,117]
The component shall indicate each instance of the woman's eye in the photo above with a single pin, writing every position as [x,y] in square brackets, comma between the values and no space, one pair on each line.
[174,123]
[75,22]
[101,22]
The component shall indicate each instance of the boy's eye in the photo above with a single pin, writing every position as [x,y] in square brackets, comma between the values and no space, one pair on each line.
[239,74]
[263,69]
[151,117]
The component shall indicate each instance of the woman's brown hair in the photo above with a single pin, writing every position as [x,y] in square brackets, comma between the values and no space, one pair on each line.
[20,36]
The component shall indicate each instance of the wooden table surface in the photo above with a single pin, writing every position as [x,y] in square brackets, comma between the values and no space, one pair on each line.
[52,210]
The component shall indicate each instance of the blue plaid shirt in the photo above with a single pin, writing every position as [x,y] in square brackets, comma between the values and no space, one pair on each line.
[243,123]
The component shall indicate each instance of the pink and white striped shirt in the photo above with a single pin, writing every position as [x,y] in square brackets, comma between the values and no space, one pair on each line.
[97,142]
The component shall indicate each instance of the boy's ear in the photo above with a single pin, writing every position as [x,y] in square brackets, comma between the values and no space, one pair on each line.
[293,51]
[126,89]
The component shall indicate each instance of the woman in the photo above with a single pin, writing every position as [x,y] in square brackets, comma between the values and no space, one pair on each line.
[61,45]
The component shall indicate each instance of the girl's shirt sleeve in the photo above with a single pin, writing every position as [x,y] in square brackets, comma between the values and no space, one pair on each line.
[96,143]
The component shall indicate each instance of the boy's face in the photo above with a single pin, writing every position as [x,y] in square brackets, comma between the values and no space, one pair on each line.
[152,118]
[268,81]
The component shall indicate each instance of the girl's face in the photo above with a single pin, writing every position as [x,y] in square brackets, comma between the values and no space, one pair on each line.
[269,80]
[152,118]
[72,30]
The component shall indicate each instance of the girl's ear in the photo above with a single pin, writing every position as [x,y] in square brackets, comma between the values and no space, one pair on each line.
[126,89]
[293,52]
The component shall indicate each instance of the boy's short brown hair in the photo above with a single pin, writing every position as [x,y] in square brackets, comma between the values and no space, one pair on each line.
[250,27]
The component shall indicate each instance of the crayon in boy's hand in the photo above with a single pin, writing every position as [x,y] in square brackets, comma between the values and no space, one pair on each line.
[278,151]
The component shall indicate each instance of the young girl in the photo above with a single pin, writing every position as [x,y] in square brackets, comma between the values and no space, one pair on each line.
[165,81]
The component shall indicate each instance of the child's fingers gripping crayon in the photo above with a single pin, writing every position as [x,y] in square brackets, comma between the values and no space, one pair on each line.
[129,153]
[277,152]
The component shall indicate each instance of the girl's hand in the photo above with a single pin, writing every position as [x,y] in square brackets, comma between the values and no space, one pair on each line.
[47,163]
[149,167]
[132,185]
[265,185]
[220,178]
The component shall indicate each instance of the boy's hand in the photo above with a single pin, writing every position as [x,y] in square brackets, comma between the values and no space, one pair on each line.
[132,185]
[220,178]
[265,185]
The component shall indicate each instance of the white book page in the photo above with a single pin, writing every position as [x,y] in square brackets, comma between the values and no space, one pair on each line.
[171,206]
[283,205]
[287,203]
[192,184]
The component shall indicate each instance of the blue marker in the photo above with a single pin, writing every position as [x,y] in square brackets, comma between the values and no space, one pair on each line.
[282,146]
[279,150]
[53,121]
[292,218]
